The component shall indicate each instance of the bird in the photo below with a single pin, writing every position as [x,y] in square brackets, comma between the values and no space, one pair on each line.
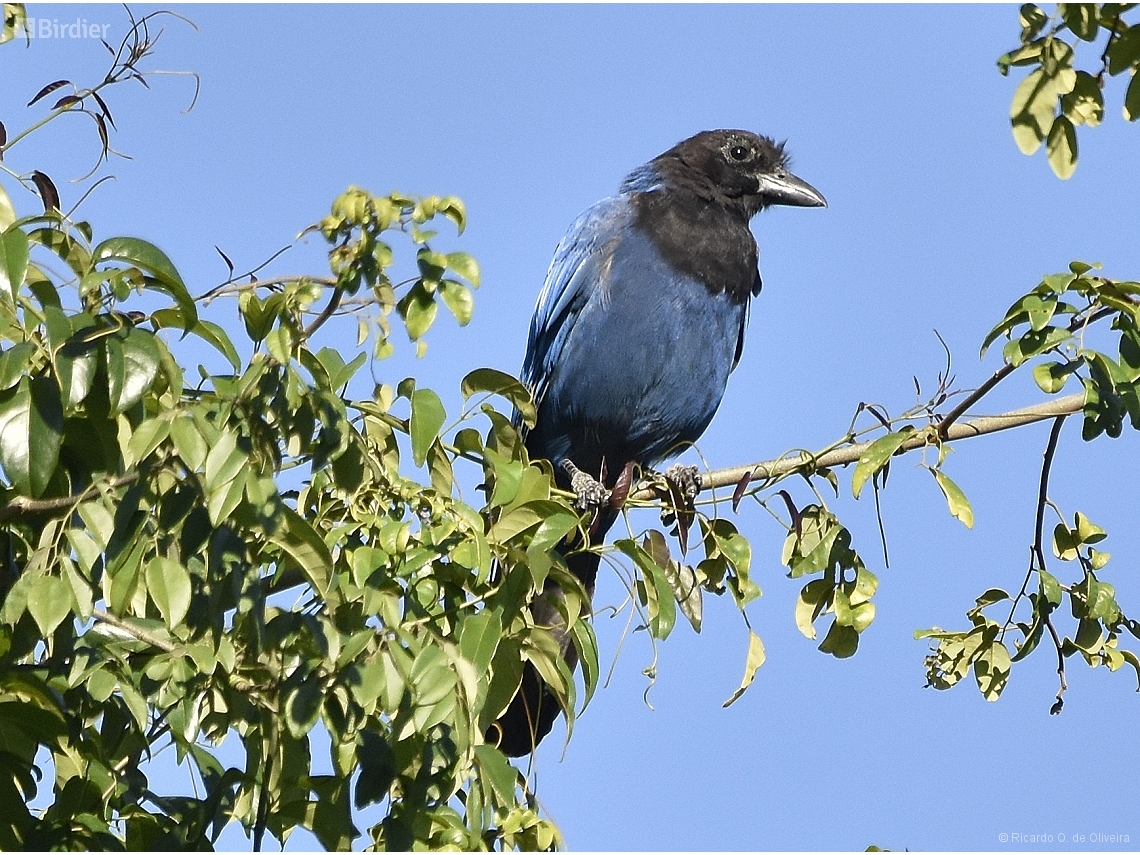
[639,323]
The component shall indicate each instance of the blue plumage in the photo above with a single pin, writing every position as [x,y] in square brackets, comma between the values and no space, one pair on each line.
[638,326]
[627,357]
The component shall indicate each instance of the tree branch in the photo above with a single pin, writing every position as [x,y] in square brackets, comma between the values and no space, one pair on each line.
[774,469]
[23,505]
[134,631]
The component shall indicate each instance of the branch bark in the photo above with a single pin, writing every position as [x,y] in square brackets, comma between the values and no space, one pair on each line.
[771,469]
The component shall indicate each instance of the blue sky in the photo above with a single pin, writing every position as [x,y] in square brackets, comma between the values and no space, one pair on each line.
[935,222]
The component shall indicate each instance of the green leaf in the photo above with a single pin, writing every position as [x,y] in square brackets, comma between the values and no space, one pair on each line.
[75,353]
[31,433]
[479,638]
[955,498]
[841,641]
[1065,542]
[152,260]
[1051,376]
[659,601]
[506,674]
[1132,97]
[132,359]
[303,707]
[225,461]
[15,21]
[991,670]
[876,457]
[49,602]
[188,441]
[418,309]
[13,260]
[300,541]
[1032,110]
[752,664]
[208,331]
[1034,342]
[168,583]
[586,643]
[1124,52]
[147,437]
[814,597]
[1087,531]
[14,362]
[459,299]
[7,212]
[495,770]
[682,580]
[1081,18]
[503,384]
[464,265]
[1062,150]
[428,417]
[1050,587]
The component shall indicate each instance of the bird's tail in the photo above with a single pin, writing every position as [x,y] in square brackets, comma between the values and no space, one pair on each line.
[534,707]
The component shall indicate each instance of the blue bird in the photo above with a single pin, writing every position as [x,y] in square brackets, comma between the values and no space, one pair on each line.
[638,326]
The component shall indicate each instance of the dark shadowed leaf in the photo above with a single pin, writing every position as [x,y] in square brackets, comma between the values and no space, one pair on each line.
[48,193]
[841,641]
[741,486]
[303,707]
[47,90]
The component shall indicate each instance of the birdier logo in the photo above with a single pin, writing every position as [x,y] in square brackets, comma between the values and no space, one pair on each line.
[51,28]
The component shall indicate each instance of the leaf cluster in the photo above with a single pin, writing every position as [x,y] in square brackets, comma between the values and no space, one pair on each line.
[1056,97]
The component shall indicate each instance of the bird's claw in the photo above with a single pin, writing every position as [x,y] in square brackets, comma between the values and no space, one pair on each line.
[591,494]
[685,482]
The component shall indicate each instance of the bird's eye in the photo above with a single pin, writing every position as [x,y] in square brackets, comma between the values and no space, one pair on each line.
[738,152]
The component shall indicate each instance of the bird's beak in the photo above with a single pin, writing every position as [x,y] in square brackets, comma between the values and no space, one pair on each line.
[783,188]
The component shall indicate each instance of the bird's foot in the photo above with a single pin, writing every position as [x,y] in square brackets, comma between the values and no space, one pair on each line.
[684,482]
[591,493]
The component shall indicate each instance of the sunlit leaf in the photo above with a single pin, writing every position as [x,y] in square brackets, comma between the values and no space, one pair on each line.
[956,500]
[752,664]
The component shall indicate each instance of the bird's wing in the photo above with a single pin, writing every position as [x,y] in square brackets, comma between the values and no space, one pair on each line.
[574,275]
[744,321]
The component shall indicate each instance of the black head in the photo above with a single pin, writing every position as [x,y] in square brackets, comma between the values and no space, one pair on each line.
[738,169]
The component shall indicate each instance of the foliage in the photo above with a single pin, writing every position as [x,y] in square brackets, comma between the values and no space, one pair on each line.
[163,587]
[1055,98]
[256,555]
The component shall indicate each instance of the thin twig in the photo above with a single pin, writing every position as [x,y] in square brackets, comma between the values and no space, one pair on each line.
[1059,704]
[326,313]
[1036,552]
